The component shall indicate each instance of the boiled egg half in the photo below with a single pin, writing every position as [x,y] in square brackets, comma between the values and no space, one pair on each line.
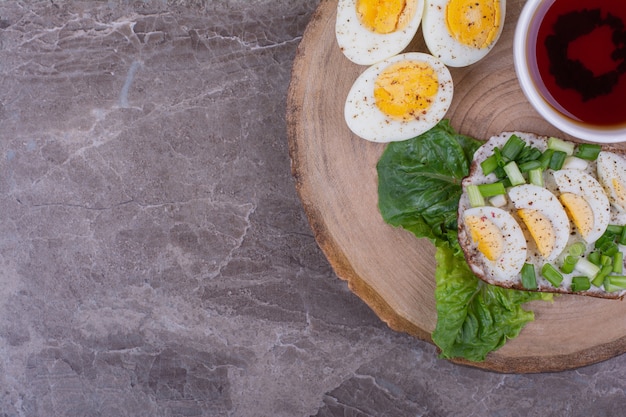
[369,31]
[499,239]
[544,217]
[584,201]
[612,175]
[461,32]
[399,98]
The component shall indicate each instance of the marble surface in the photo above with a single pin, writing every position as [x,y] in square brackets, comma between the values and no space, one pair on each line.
[155,257]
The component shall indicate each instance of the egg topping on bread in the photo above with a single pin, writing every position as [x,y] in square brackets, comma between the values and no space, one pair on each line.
[570,215]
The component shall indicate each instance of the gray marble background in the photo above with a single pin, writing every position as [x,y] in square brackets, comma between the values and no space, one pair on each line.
[155,259]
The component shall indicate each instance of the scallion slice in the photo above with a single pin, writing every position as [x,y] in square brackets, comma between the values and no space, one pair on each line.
[568,264]
[588,151]
[490,190]
[614,229]
[618,262]
[577,249]
[587,268]
[529,279]
[545,158]
[529,165]
[594,258]
[557,160]
[476,199]
[605,270]
[561,145]
[535,176]
[550,273]
[572,162]
[580,284]
[615,283]
[622,237]
[514,174]
[512,148]
[490,164]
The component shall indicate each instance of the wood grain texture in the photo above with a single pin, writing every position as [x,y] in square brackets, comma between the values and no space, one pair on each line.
[391,270]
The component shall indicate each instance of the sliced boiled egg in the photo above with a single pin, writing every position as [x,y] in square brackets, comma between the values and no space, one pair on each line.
[612,175]
[499,238]
[544,217]
[462,32]
[399,98]
[369,31]
[585,202]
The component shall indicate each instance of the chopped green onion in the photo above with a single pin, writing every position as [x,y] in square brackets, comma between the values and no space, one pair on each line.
[529,153]
[615,283]
[500,174]
[545,158]
[587,268]
[513,147]
[605,270]
[551,274]
[535,176]
[527,166]
[572,162]
[622,237]
[475,197]
[529,279]
[594,258]
[606,260]
[498,200]
[514,174]
[580,284]
[557,160]
[614,229]
[609,248]
[490,164]
[604,240]
[588,151]
[577,249]
[561,145]
[618,262]
[489,190]
[568,264]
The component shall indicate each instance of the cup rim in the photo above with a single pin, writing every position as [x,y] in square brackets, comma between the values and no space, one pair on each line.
[536,99]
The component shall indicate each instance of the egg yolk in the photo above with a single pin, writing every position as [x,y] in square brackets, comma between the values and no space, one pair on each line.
[579,211]
[620,193]
[406,90]
[385,16]
[487,235]
[474,23]
[541,230]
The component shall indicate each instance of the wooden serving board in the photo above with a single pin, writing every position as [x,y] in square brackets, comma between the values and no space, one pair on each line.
[387,267]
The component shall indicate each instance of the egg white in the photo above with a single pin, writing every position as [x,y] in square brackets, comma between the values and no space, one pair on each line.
[365,119]
[579,182]
[443,45]
[365,47]
[530,196]
[612,167]
[513,256]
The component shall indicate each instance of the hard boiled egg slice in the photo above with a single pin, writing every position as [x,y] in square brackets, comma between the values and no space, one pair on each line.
[399,98]
[585,202]
[499,239]
[544,217]
[612,176]
[461,32]
[369,31]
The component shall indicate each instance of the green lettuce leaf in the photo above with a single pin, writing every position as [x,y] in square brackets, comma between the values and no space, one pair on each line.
[473,317]
[419,187]
[419,181]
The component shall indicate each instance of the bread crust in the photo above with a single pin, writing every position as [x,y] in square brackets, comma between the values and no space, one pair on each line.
[475,259]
